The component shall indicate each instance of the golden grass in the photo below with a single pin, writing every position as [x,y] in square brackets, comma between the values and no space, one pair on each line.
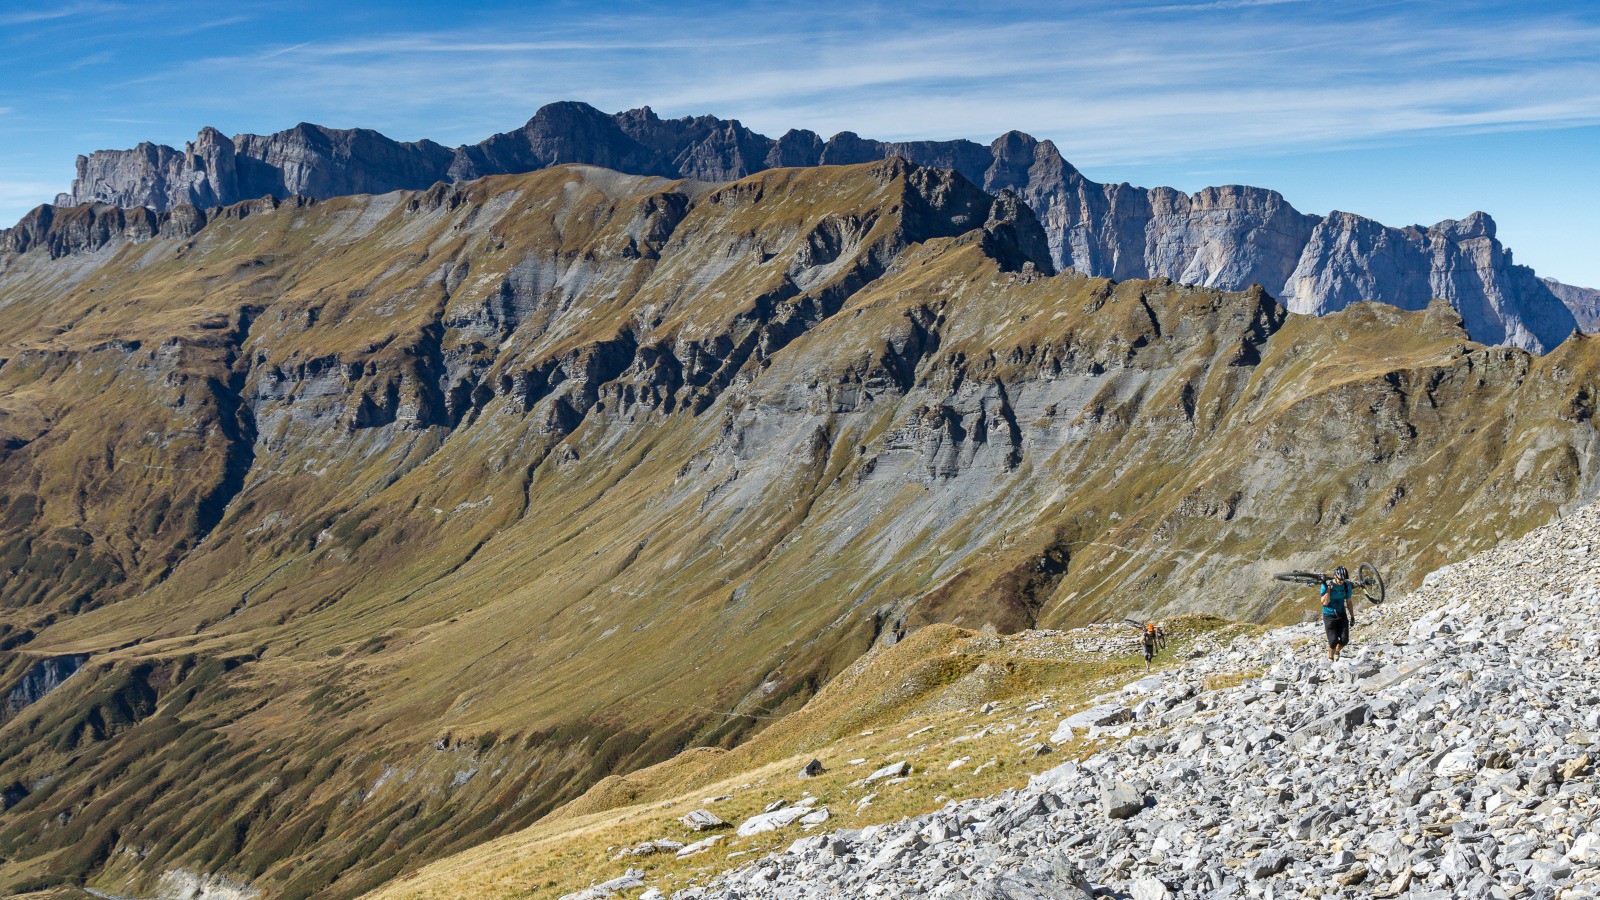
[918,701]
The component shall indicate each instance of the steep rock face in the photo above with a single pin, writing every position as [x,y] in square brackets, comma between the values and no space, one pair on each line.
[1584,303]
[62,231]
[214,170]
[430,510]
[1234,236]
[1349,258]
[1224,237]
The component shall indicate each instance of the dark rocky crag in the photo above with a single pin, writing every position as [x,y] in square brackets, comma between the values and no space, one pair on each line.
[1223,237]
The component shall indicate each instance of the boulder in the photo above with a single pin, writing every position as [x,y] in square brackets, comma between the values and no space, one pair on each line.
[893,770]
[816,817]
[1334,724]
[1149,889]
[702,820]
[1120,800]
[1462,761]
[1062,734]
[1267,865]
[1576,768]
[1067,773]
[1585,850]
[634,878]
[1101,716]
[699,846]
[772,821]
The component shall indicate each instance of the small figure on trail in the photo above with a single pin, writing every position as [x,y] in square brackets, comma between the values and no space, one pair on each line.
[1150,639]
[1161,636]
[1336,619]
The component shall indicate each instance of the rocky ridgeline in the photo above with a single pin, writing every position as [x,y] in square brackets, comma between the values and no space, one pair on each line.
[1226,237]
[1449,755]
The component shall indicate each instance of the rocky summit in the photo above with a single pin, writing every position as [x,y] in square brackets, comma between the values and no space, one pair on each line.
[1451,753]
[1223,237]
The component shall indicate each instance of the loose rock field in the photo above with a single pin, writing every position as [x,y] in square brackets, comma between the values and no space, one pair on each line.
[1450,754]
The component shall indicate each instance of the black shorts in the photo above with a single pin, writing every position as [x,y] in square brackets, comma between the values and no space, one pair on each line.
[1338,629]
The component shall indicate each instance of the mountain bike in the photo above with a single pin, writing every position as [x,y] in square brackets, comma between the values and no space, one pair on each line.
[1368,579]
[1151,642]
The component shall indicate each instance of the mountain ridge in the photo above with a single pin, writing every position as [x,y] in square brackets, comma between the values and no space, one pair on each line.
[1226,237]
[431,510]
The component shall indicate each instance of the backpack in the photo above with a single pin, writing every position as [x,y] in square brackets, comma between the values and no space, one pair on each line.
[1334,597]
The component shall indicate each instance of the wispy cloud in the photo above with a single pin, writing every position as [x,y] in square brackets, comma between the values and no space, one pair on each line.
[208,25]
[66,11]
[1204,86]
[1214,5]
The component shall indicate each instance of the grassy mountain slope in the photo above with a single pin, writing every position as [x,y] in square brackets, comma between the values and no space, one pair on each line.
[389,524]
[954,704]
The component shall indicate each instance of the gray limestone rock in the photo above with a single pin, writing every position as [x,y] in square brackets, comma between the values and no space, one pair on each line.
[1267,865]
[1120,800]
[702,820]
[893,770]
[44,676]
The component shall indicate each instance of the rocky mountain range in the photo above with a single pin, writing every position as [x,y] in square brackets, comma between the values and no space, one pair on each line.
[1223,237]
[362,530]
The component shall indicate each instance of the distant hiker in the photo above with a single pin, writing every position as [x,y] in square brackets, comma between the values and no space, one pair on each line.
[1150,638]
[1161,636]
[1336,611]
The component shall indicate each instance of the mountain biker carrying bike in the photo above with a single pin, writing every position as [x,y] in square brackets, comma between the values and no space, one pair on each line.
[1149,640]
[1336,619]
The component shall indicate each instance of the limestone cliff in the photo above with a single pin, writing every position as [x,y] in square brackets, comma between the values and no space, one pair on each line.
[1224,237]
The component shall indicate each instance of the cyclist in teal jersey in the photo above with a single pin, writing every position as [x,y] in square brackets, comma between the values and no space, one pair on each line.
[1336,619]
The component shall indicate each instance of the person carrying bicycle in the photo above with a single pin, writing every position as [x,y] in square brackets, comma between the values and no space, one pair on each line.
[1336,618]
[1149,640]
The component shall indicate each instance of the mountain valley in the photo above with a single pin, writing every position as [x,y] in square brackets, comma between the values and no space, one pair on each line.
[344,533]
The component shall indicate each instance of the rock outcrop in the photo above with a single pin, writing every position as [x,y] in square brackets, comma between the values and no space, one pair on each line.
[1223,237]
[41,678]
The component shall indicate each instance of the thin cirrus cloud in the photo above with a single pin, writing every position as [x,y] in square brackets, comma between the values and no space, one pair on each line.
[58,13]
[1214,6]
[1272,85]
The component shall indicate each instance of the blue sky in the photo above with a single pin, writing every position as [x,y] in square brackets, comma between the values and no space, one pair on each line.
[1407,112]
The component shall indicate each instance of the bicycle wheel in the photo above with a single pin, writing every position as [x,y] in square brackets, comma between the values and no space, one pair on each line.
[1371,582]
[1300,577]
